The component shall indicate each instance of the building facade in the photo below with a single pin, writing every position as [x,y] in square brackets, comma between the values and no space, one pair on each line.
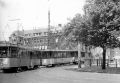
[36,38]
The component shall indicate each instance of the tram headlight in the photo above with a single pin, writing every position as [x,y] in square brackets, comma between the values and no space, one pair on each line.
[5,61]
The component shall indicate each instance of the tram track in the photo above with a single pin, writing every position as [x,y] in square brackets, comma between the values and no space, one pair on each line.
[38,74]
[57,78]
[17,76]
[53,76]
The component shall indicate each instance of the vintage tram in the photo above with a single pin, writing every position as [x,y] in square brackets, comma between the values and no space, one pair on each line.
[18,57]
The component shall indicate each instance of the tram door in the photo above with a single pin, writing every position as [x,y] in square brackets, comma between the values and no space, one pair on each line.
[19,57]
[40,56]
[55,57]
[31,60]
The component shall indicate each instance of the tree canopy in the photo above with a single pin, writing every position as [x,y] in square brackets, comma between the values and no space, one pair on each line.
[97,26]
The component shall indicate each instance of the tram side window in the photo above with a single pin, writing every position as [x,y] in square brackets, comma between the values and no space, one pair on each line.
[20,53]
[58,55]
[13,52]
[68,54]
[38,54]
[76,54]
[49,55]
[33,55]
[64,55]
[72,54]
[24,52]
[61,55]
[27,54]
[3,51]
[55,55]
[44,55]
[82,54]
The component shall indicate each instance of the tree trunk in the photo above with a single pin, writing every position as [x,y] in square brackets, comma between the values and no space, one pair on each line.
[79,55]
[104,58]
[79,63]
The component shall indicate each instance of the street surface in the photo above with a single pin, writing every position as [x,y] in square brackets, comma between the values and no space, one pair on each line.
[58,74]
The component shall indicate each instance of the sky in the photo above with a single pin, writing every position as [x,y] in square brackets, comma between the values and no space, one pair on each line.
[28,14]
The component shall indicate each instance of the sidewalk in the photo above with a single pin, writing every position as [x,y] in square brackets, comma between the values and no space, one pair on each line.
[98,69]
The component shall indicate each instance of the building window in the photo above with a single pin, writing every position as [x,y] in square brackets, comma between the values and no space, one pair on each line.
[40,33]
[37,41]
[45,33]
[34,39]
[45,40]
[40,40]
[33,34]
[25,34]
[36,33]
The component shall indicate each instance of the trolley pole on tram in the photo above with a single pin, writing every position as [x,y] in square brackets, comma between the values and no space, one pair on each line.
[17,30]
[79,55]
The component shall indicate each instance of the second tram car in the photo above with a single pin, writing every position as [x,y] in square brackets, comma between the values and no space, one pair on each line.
[55,57]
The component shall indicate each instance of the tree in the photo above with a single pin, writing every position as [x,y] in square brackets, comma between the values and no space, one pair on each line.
[105,19]
[97,26]
[77,31]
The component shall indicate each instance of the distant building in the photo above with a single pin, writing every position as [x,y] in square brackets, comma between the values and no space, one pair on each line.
[36,38]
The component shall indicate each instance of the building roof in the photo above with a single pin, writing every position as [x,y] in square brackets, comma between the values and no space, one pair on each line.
[36,30]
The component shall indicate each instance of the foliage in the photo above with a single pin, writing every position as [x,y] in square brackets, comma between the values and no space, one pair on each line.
[77,29]
[97,26]
[105,19]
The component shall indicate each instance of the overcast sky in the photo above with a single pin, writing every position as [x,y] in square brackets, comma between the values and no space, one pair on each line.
[34,13]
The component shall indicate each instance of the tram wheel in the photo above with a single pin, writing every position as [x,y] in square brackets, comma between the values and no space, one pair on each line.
[36,66]
[5,70]
[53,65]
[8,70]
[18,69]
[32,67]
[28,68]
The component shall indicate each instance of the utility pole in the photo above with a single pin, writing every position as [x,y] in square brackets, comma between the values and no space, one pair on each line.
[49,34]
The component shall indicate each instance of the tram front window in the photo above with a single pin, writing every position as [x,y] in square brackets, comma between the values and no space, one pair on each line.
[3,52]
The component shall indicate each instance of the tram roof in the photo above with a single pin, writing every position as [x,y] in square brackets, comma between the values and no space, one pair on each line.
[15,45]
[28,48]
[7,44]
[58,50]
